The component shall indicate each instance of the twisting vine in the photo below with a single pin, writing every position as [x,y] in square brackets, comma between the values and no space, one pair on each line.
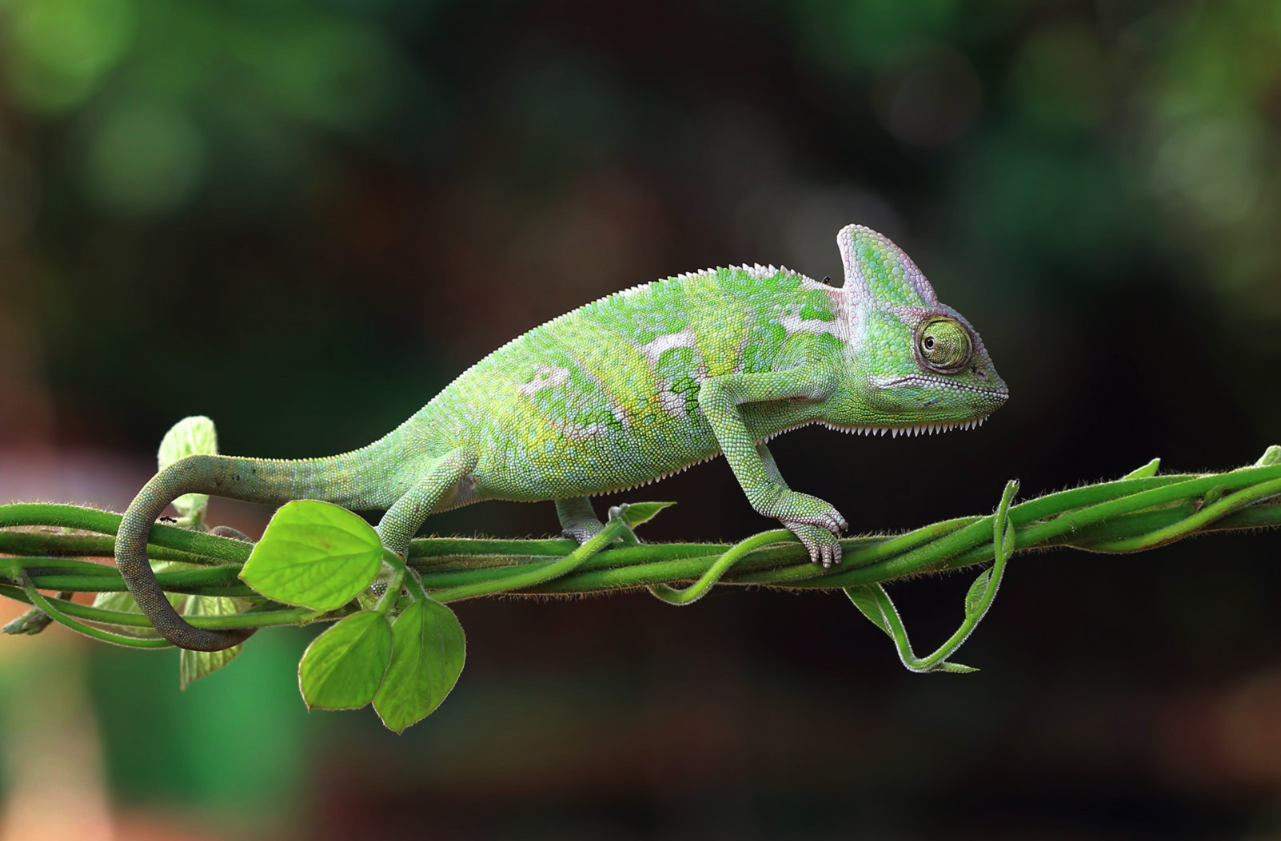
[395,643]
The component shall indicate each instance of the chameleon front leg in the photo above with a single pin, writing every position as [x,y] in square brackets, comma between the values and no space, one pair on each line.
[812,536]
[577,518]
[815,522]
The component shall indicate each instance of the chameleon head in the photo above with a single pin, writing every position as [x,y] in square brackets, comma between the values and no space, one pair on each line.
[917,364]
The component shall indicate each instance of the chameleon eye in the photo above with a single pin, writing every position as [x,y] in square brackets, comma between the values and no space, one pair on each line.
[944,345]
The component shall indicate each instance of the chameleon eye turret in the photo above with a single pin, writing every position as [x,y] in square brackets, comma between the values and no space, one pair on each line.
[944,345]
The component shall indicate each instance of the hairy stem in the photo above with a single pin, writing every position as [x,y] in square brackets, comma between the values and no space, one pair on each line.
[1126,515]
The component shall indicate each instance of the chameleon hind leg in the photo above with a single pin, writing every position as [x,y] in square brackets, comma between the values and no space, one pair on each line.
[578,521]
[407,514]
[577,518]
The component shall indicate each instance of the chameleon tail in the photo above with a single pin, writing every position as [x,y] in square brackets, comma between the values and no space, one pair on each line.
[252,480]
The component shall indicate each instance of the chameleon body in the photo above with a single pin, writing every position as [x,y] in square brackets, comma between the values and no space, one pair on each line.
[627,390]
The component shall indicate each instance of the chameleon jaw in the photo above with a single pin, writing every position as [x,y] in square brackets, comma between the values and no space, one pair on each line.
[895,431]
[892,431]
[928,381]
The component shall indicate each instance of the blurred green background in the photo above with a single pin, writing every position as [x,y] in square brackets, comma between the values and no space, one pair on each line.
[305,218]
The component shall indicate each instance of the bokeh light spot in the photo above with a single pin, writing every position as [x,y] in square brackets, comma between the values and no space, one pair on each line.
[335,74]
[1211,165]
[928,96]
[63,46]
[143,160]
[1060,77]
[846,36]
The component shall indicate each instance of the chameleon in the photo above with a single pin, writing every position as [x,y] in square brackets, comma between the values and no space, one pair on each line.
[627,390]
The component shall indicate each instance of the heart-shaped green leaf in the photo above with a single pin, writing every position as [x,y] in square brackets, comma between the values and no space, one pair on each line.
[637,513]
[315,555]
[426,660]
[343,667]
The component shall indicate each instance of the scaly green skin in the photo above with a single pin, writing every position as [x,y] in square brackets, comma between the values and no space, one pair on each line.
[627,390]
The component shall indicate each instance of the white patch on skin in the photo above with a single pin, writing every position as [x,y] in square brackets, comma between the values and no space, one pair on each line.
[545,376]
[795,324]
[667,341]
[858,326]
[672,402]
[579,433]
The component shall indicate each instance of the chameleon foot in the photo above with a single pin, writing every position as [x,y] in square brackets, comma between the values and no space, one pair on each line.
[578,520]
[583,532]
[798,508]
[822,544]
[816,523]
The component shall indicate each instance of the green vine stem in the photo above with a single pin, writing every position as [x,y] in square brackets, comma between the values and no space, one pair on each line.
[48,546]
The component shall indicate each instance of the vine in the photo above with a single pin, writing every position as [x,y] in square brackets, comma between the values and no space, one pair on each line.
[395,643]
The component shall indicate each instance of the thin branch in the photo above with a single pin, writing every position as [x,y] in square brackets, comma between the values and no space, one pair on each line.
[1127,515]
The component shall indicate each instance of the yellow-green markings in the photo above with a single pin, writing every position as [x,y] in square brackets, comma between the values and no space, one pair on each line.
[720,332]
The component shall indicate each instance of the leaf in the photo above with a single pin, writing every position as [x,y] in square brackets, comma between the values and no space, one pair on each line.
[954,668]
[315,555]
[864,598]
[190,436]
[1271,456]
[343,667]
[193,665]
[1146,471]
[426,659]
[974,598]
[637,513]
[1003,528]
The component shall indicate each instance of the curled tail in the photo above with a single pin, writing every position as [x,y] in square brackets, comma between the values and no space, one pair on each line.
[251,480]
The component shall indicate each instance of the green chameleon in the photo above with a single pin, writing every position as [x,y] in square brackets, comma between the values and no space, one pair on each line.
[625,391]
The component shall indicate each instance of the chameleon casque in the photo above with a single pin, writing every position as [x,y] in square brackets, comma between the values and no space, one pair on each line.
[627,390]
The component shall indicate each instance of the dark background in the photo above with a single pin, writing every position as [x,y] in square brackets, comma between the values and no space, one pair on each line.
[305,218]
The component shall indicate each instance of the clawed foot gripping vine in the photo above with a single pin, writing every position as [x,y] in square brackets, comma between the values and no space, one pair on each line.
[395,643]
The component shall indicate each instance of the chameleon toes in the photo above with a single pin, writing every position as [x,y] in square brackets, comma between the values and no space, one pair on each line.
[822,546]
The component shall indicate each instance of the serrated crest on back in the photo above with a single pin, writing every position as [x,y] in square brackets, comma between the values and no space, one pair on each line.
[879,273]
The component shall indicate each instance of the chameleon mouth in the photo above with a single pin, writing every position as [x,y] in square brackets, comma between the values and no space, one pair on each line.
[1001,394]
